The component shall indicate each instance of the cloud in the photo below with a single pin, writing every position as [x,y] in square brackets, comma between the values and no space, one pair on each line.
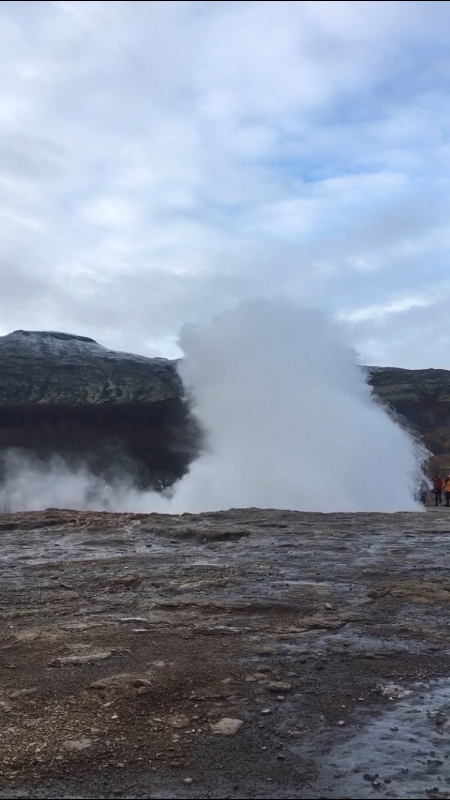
[163,160]
[379,312]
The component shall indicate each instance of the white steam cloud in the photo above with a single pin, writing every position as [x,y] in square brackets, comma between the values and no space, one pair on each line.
[289,419]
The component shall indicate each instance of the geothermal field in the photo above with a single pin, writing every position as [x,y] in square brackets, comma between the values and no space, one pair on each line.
[154,645]
[247,653]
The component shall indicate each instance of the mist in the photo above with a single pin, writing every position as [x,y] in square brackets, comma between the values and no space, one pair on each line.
[289,422]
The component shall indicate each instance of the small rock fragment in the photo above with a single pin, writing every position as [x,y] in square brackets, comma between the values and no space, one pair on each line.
[85,658]
[227,726]
[22,693]
[140,682]
[394,691]
[178,721]
[77,744]
[279,686]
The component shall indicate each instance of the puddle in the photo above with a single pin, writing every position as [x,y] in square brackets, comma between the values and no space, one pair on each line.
[405,753]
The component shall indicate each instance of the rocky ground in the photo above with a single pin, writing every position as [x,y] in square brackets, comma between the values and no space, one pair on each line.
[240,654]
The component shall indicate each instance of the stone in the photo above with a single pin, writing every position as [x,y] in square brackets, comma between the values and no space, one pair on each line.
[77,744]
[227,726]
[178,721]
[279,686]
[83,658]
[394,691]
[22,693]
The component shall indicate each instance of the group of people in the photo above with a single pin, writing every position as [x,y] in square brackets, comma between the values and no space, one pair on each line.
[440,486]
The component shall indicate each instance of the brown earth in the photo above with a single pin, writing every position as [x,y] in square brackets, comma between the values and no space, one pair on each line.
[127,638]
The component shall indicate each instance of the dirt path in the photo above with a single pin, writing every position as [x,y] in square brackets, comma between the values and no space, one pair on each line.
[127,639]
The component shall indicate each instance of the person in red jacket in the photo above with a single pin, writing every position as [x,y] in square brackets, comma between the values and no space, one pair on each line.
[437,488]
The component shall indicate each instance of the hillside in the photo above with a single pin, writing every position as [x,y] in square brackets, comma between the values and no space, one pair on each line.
[69,395]
[421,397]
[66,394]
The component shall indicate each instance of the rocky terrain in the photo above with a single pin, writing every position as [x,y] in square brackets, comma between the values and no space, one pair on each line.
[248,653]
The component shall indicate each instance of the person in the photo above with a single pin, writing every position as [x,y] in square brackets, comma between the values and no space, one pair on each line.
[447,491]
[423,491]
[437,489]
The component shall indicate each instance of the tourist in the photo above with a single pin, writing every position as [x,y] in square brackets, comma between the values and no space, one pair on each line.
[447,491]
[437,489]
[423,491]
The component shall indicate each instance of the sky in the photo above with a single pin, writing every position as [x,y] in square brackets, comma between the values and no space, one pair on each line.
[161,161]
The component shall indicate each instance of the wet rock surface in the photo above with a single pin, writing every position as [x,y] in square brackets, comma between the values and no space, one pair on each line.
[247,653]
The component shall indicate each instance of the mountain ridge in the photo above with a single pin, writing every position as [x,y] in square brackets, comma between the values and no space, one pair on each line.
[67,394]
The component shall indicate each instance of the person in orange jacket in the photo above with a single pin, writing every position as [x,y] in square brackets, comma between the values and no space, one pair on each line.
[447,491]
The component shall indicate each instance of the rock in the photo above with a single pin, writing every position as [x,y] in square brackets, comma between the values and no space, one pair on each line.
[178,721]
[22,693]
[394,691]
[122,681]
[227,726]
[77,744]
[83,658]
[279,686]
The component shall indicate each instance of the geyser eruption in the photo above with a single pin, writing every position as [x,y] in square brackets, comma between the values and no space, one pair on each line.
[289,422]
[289,418]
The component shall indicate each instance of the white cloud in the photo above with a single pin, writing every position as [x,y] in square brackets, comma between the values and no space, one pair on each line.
[379,312]
[111,211]
[161,160]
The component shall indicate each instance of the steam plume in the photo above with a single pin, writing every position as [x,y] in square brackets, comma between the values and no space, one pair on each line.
[289,421]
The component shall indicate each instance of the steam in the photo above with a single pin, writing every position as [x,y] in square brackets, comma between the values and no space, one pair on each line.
[289,421]
[290,418]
